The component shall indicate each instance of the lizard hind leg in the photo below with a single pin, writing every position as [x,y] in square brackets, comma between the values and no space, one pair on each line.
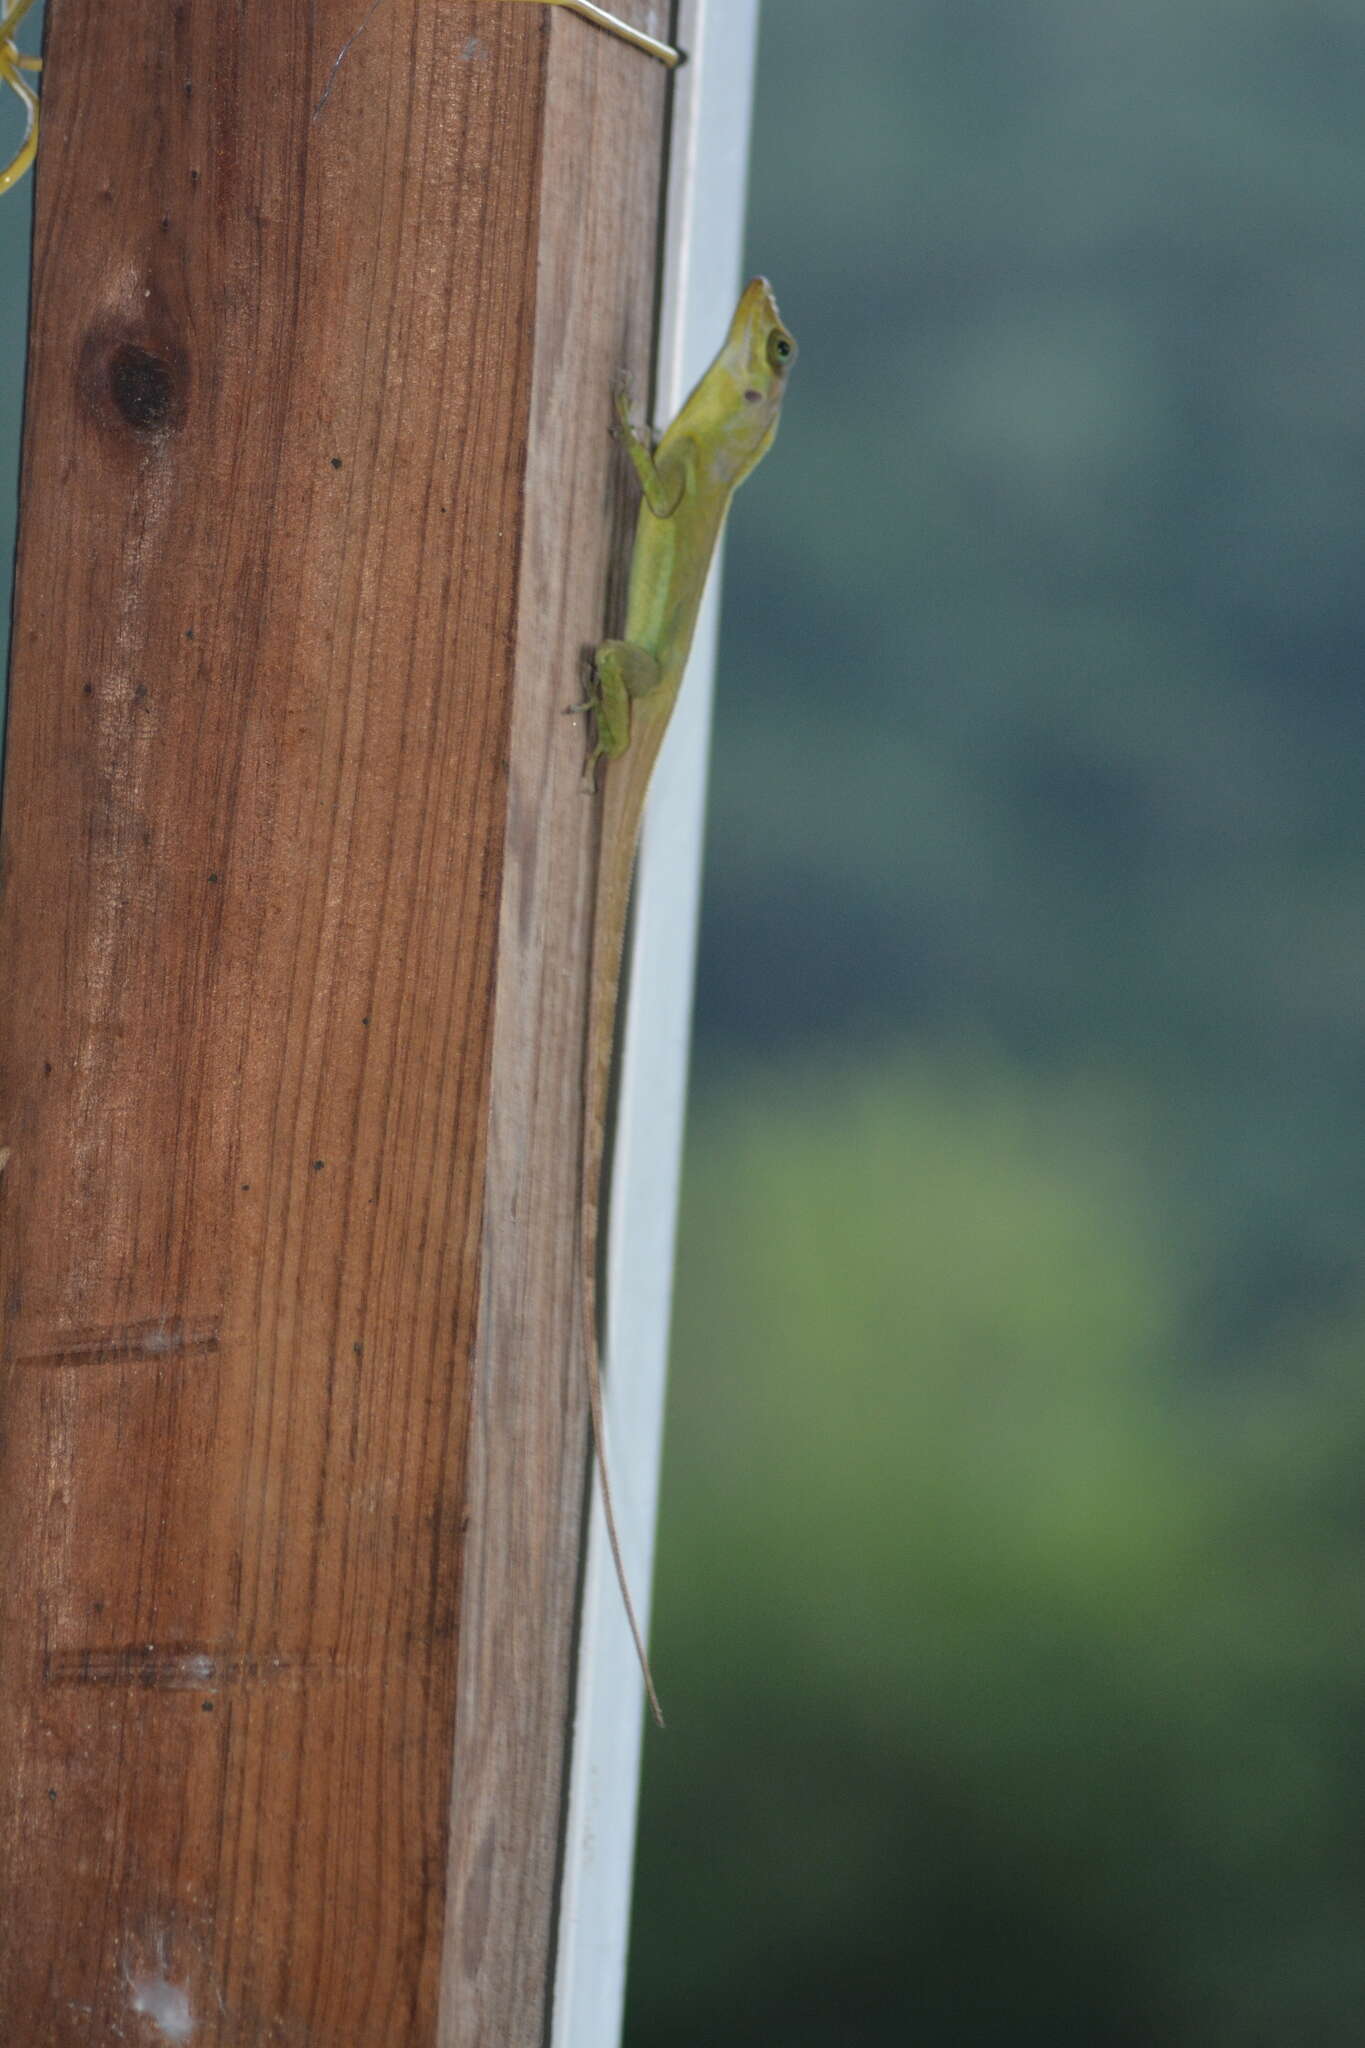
[620,671]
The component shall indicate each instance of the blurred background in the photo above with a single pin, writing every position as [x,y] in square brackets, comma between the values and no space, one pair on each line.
[1011,1591]
[1012,1569]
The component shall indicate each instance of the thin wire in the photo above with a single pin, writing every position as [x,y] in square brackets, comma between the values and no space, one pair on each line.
[13,65]
[591,12]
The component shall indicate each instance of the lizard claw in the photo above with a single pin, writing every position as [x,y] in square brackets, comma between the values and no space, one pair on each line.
[622,399]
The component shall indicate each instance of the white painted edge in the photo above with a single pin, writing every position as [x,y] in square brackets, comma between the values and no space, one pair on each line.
[703,250]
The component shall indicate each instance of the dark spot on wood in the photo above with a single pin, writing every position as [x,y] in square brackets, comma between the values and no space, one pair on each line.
[318,1165]
[134,375]
[336,462]
[87,689]
[213,874]
[142,387]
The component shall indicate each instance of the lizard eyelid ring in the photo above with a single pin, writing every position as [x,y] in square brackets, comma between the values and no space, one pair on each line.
[591,12]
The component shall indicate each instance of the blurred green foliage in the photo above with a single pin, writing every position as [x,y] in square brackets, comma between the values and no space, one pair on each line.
[1013,1553]
[1014,1674]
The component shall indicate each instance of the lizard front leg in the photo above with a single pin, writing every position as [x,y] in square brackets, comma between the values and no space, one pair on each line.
[663,491]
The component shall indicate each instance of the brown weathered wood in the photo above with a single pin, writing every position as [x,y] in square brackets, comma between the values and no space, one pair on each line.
[599,201]
[290,586]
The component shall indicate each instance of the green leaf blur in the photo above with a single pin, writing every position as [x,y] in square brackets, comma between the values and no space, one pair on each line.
[1014,1675]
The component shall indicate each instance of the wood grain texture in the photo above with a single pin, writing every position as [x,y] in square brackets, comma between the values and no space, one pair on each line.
[600,196]
[284,572]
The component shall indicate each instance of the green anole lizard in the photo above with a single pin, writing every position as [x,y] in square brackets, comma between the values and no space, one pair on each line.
[726,426]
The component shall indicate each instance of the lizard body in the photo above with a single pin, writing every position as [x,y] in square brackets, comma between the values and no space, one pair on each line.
[723,430]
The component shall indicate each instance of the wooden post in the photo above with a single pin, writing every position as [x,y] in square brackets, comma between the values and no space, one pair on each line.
[319,507]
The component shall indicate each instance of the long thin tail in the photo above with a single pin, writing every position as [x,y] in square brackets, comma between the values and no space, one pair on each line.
[599,1437]
[613,892]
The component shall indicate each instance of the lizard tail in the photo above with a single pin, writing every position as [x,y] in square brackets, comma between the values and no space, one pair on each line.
[608,928]
[599,1437]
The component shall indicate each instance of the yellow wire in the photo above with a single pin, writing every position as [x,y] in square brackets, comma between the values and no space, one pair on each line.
[591,12]
[11,19]
[13,65]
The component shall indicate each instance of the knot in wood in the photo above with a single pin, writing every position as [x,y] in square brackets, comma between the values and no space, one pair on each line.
[142,388]
[134,377]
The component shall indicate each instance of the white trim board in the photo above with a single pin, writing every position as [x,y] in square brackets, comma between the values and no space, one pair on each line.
[703,248]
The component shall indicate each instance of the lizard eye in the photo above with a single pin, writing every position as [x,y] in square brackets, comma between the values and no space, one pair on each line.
[781,349]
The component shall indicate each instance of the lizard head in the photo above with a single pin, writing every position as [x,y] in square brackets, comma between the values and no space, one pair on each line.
[759,352]
[736,405]
[758,346]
